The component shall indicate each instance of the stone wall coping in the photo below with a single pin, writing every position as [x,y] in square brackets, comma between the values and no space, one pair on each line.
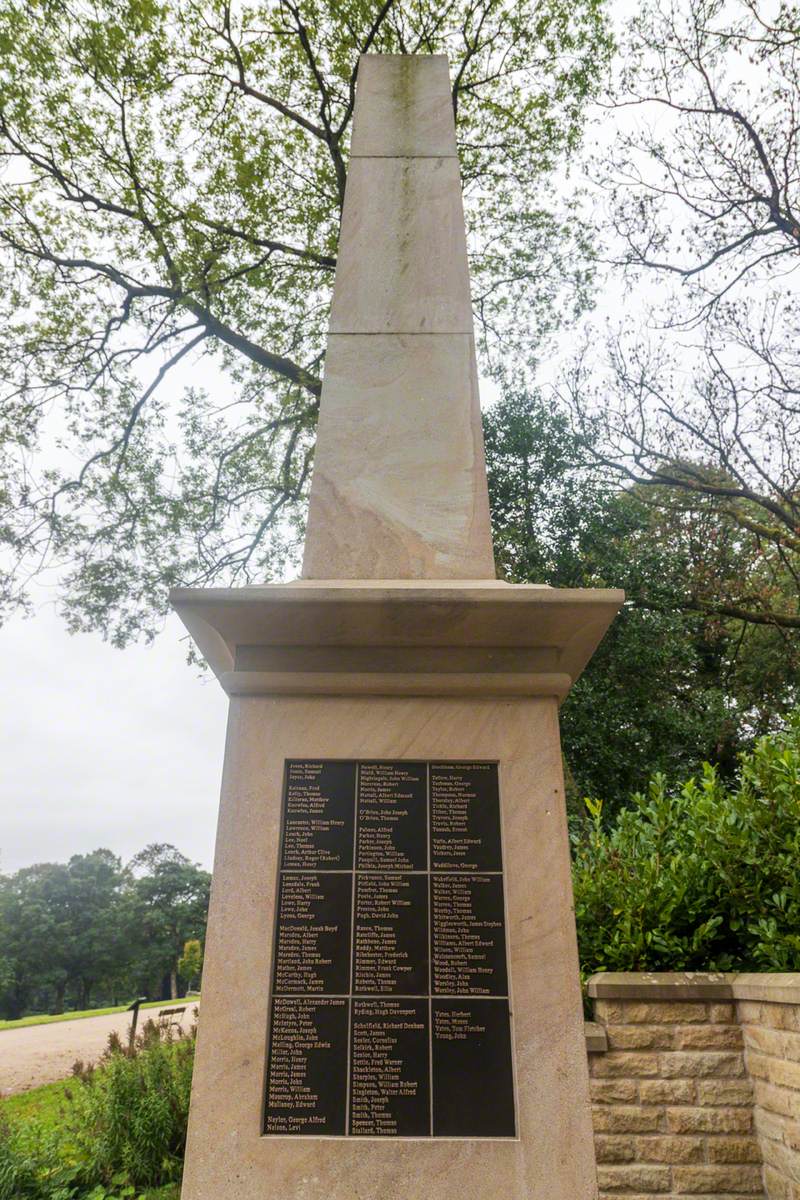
[769,987]
[775,988]
[596,1037]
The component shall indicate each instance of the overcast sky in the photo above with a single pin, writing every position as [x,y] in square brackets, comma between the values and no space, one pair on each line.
[104,747]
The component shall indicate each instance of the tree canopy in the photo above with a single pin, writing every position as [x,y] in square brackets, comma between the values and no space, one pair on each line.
[91,930]
[695,398]
[670,686]
[173,179]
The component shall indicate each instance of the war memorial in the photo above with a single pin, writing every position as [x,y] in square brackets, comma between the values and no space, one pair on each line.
[391,1002]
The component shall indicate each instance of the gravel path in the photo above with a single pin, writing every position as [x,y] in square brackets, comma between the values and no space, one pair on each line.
[44,1053]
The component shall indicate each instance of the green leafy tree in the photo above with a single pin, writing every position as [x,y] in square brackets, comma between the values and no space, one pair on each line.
[89,910]
[89,931]
[30,937]
[61,932]
[190,963]
[175,177]
[668,687]
[693,394]
[168,903]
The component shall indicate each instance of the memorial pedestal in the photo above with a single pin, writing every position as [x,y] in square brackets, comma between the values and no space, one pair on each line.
[427,1040]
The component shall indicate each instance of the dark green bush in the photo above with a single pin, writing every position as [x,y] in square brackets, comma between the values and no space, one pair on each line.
[705,876]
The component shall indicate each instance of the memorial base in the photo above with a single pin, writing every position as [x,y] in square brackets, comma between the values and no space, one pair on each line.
[496,701]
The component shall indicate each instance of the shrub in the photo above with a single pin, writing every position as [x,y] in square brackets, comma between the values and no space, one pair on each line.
[130,1116]
[18,1167]
[699,877]
[32,1166]
[123,1130]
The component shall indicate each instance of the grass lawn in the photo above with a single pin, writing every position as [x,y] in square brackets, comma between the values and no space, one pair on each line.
[44,1105]
[47,1019]
[41,1104]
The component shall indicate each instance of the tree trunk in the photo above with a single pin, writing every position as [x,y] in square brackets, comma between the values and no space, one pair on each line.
[60,989]
[173,984]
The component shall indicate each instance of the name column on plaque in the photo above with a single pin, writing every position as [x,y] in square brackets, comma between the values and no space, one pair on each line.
[390,1008]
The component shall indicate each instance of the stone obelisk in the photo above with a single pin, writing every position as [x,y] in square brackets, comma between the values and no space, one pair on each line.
[391,1006]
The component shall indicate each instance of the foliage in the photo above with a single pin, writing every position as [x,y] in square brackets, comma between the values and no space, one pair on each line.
[60,925]
[174,183]
[93,929]
[169,901]
[668,687]
[19,1168]
[190,963]
[701,876]
[693,395]
[73,1015]
[120,1130]
[131,1114]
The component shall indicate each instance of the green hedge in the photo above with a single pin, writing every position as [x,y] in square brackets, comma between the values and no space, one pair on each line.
[704,876]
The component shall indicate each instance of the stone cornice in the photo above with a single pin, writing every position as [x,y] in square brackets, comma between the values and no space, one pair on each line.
[397,637]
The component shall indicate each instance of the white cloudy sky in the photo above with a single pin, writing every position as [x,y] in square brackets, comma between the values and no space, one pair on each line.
[102,747]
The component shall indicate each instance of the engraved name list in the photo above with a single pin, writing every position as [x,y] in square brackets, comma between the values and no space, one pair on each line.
[390,1009]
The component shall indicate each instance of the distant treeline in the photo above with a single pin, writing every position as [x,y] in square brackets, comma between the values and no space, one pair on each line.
[94,931]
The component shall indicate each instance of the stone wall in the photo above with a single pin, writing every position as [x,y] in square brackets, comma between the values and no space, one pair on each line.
[696,1085]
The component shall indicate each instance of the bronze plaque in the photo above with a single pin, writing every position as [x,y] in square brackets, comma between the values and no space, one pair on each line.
[390,1013]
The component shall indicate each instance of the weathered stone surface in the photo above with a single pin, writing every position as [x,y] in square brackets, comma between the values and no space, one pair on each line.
[674,1149]
[776,1042]
[782,1072]
[402,264]
[399,483]
[380,509]
[724,1091]
[731,1084]
[639,1178]
[640,1037]
[627,1119]
[404,108]
[553,1159]
[613,1091]
[652,1012]
[777,1099]
[619,1063]
[712,1180]
[610,1147]
[667,1091]
[709,1120]
[661,985]
[723,1149]
[686,1065]
[708,1037]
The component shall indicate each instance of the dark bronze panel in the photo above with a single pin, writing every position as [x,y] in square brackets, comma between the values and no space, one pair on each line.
[465,817]
[468,935]
[392,816]
[390,1013]
[473,1091]
[307,1072]
[389,1069]
[318,816]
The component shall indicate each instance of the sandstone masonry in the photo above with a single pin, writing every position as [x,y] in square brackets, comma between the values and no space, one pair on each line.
[697,1093]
